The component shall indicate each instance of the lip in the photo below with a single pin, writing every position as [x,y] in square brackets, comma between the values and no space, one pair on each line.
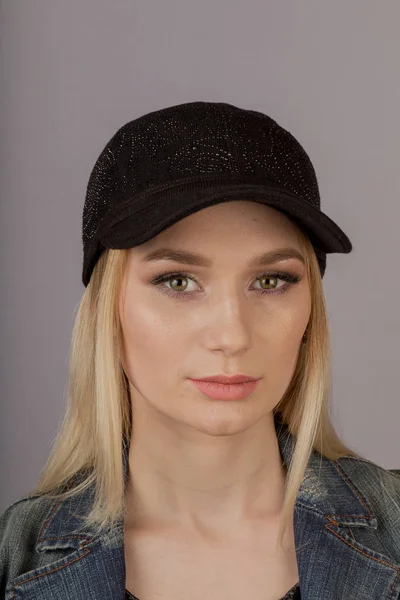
[225,391]
[228,379]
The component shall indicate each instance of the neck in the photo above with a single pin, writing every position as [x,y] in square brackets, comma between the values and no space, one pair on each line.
[180,476]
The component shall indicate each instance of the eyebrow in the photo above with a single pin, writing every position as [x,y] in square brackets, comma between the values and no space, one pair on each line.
[190,258]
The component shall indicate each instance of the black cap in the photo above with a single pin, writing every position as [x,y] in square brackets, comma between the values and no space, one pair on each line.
[167,164]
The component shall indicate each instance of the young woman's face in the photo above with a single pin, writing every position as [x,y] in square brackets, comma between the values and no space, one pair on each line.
[225,318]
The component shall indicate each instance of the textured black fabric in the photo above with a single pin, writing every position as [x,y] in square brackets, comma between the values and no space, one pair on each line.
[169,163]
[292,594]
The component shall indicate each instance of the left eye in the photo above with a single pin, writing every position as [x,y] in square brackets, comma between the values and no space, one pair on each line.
[269,278]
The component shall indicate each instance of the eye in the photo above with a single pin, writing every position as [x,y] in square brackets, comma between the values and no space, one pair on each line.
[265,280]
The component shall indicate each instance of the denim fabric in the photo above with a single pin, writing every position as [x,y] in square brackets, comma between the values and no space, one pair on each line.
[292,594]
[346,528]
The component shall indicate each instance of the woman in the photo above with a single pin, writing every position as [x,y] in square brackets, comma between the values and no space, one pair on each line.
[204,252]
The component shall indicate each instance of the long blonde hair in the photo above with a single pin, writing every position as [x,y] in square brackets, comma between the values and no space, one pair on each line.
[97,419]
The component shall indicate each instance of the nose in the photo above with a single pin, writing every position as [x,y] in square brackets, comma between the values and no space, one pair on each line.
[230,325]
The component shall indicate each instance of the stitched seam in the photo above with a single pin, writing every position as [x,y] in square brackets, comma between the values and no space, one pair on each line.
[352,485]
[41,538]
[51,514]
[368,556]
[48,572]
[85,538]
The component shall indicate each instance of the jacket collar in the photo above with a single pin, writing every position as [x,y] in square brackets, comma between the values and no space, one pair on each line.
[331,562]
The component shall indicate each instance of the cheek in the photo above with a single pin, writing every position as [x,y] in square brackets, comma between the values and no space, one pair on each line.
[281,344]
[151,340]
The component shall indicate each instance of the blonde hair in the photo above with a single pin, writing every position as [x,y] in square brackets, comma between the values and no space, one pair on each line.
[97,421]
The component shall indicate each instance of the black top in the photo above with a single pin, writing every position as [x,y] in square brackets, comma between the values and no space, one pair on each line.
[292,594]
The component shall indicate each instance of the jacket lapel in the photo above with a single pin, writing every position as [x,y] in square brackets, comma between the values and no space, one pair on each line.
[332,564]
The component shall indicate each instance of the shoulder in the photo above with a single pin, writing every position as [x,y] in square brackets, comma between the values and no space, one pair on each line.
[20,527]
[21,517]
[370,476]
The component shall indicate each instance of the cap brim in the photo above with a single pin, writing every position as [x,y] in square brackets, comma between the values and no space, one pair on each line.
[138,220]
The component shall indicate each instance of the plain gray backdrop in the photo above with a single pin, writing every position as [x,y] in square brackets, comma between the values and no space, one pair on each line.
[73,72]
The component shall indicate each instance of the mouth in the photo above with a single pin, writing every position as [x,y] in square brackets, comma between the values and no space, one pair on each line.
[227,379]
[226,391]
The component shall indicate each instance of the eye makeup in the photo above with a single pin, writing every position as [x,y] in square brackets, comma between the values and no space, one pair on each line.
[289,278]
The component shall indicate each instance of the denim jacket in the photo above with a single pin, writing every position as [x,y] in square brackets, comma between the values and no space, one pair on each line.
[346,528]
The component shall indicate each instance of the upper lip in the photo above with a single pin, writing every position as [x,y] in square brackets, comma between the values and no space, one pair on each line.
[228,378]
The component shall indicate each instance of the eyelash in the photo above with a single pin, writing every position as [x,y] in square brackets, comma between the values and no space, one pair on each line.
[288,277]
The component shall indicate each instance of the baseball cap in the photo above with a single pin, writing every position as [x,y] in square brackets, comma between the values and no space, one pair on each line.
[169,163]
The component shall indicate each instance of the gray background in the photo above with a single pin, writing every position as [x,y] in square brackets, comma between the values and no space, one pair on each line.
[73,72]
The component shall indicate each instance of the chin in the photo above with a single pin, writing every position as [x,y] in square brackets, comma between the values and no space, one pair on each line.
[224,420]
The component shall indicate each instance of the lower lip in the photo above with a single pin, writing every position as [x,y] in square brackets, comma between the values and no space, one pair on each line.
[225,391]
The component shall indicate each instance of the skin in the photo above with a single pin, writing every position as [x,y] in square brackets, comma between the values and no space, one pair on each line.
[210,467]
